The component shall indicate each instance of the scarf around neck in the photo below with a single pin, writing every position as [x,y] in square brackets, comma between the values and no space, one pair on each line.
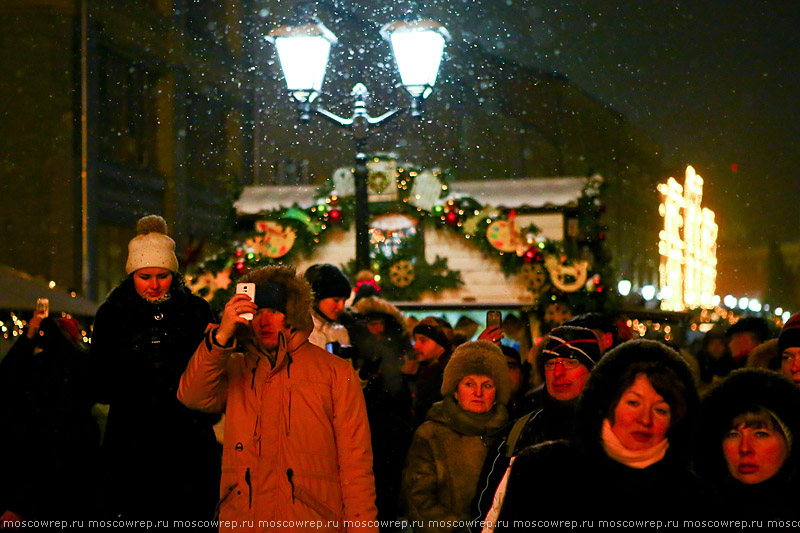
[467,423]
[632,458]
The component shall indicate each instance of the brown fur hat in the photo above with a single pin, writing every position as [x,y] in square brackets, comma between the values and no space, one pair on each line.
[298,293]
[482,358]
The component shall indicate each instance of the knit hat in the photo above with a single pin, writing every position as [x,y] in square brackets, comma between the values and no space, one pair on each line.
[436,329]
[600,321]
[327,281]
[481,358]
[790,334]
[151,247]
[571,342]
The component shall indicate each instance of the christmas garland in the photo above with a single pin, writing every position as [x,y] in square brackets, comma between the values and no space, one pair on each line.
[555,271]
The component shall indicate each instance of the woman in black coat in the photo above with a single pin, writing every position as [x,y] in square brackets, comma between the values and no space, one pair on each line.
[628,457]
[744,444]
[161,459]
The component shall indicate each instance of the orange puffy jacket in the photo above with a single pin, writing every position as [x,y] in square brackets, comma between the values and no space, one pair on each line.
[297,443]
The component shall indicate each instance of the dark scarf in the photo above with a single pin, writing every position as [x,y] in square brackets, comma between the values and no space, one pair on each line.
[467,423]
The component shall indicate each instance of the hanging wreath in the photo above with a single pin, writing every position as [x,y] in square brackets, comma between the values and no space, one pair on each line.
[401,273]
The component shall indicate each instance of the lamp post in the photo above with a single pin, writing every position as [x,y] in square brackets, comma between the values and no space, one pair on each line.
[303,50]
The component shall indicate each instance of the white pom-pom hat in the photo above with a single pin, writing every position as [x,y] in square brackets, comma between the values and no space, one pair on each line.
[151,247]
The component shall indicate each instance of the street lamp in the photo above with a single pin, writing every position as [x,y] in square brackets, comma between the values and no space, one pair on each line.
[303,50]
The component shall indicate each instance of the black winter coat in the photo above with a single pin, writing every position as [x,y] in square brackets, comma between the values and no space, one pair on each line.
[576,479]
[49,437]
[554,480]
[549,420]
[386,393]
[741,391]
[162,458]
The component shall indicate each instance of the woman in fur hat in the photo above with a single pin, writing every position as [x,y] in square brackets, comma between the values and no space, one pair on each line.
[628,456]
[161,458]
[744,444]
[447,451]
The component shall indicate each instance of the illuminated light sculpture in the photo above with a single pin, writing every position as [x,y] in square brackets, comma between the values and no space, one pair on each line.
[687,245]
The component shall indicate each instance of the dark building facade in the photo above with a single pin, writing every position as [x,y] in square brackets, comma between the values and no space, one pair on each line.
[119,108]
[115,109]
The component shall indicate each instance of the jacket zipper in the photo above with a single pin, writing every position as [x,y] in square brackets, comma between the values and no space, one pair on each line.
[290,474]
[250,489]
[253,381]
[289,377]
[289,414]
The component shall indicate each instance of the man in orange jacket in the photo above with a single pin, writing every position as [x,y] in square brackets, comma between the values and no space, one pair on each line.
[297,447]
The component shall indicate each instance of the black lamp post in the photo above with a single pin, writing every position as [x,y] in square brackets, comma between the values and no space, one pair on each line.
[303,50]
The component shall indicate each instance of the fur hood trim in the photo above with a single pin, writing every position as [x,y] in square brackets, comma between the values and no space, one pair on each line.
[765,355]
[298,293]
[743,389]
[603,385]
[373,305]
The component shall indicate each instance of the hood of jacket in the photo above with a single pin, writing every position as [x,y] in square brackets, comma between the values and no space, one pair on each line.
[298,293]
[595,402]
[374,306]
[741,390]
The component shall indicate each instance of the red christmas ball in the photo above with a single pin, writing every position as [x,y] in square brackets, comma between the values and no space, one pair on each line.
[532,255]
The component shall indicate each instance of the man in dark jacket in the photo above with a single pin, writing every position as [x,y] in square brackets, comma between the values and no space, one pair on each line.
[568,355]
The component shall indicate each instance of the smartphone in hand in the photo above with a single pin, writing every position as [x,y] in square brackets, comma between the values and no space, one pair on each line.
[493,319]
[250,290]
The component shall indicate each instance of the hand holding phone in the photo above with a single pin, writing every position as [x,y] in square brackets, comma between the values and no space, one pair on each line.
[494,329]
[250,290]
[493,319]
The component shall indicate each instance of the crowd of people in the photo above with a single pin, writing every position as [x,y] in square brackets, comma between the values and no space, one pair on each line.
[292,406]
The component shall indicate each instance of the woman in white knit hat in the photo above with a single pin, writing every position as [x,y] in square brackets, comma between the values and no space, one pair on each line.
[161,459]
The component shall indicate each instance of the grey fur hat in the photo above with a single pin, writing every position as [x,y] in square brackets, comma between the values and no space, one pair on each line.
[482,358]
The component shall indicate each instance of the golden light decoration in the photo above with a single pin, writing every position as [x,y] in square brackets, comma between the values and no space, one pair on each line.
[687,245]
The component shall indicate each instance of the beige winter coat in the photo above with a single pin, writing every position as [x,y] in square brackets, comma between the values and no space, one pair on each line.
[297,442]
